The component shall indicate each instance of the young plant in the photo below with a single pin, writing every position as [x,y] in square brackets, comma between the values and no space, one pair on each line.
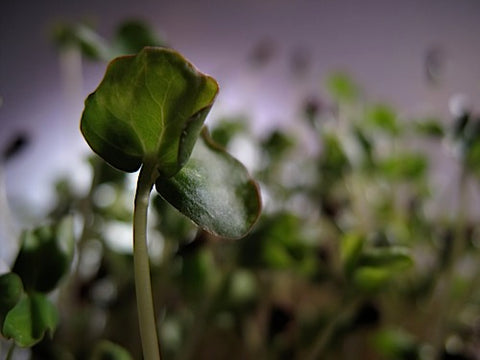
[147,114]
[26,312]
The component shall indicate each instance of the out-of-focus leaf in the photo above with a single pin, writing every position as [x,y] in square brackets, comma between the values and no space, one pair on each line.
[45,255]
[277,144]
[473,157]
[30,319]
[106,350]
[227,129]
[366,145]
[278,243]
[148,107]
[214,190]
[105,173]
[371,278]
[394,257]
[383,117]
[375,267]
[133,35]
[350,251]
[84,38]
[395,344]
[333,162]
[406,166]
[430,127]
[342,88]
[11,290]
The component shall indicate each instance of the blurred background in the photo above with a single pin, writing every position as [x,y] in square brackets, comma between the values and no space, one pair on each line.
[250,47]
[359,120]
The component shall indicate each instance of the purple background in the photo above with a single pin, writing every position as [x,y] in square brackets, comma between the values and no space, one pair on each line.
[382,43]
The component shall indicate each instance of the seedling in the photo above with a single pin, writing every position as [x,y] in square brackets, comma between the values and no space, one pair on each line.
[147,114]
[26,312]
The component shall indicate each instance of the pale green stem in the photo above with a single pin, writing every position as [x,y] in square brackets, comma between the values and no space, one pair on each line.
[143,286]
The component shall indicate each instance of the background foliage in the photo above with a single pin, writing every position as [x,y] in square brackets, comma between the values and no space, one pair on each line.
[351,258]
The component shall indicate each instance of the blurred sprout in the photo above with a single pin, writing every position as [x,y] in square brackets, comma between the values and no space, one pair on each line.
[227,129]
[396,344]
[350,251]
[429,127]
[132,35]
[333,162]
[84,38]
[406,166]
[45,256]
[383,117]
[342,88]
[277,144]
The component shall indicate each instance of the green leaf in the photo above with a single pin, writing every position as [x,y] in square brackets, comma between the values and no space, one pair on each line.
[106,350]
[214,190]
[148,107]
[377,266]
[383,117]
[277,144]
[133,35]
[392,257]
[30,319]
[406,166]
[11,290]
[342,88]
[366,145]
[371,278]
[350,251]
[45,255]
[429,127]
[333,162]
[473,157]
[226,129]
[396,344]
[278,243]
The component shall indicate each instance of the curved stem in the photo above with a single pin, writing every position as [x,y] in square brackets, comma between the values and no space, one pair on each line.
[143,286]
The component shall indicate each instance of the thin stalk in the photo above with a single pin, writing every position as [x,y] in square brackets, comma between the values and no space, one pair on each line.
[448,303]
[143,286]
[7,224]
[324,338]
[11,350]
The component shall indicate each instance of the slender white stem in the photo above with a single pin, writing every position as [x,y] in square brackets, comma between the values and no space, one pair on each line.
[143,286]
